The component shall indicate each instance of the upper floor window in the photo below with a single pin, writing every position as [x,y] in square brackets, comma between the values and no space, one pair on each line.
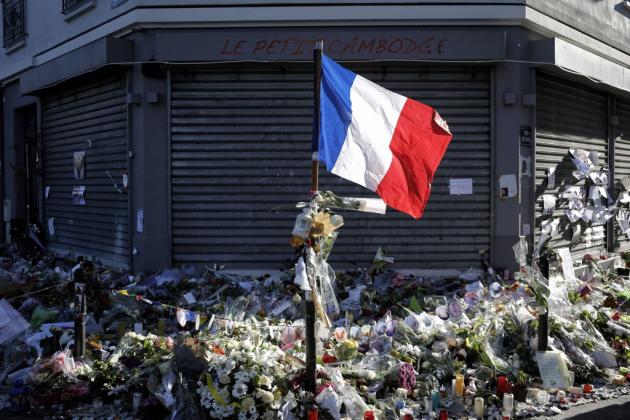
[69,5]
[13,30]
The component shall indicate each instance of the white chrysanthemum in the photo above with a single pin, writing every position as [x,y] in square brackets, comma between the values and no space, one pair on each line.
[225,379]
[247,345]
[241,376]
[247,403]
[269,415]
[230,364]
[265,396]
[239,390]
[265,381]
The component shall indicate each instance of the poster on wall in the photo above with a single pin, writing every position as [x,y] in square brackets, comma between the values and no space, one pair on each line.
[79,165]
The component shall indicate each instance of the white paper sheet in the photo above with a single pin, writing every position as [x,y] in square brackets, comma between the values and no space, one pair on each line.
[190,298]
[463,186]
[51,226]
[366,205]
[567,264]
[623,221]
[550,227]
[553,369]
[599,177]
[549,203]
[574,215]
[593,193]
[508,187]
[140,221]
[584,162]
[551,178]
[576,233]
[587,216]
[574,192]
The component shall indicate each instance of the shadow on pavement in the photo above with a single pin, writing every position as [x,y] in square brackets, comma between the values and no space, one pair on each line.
[612,412]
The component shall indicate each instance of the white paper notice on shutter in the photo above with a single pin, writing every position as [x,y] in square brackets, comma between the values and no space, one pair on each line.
[462,186]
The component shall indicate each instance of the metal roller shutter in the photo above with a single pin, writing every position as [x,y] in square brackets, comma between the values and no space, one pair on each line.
[90,118]
[568,115]
[622,158]
[240,161]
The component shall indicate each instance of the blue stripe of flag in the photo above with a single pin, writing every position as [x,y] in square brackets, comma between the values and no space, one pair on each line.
[336,110]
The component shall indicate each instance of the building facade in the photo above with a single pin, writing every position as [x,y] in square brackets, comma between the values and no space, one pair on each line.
[143,133]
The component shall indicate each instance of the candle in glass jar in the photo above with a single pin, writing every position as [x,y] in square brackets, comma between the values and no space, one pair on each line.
[435,399]
[428,404]
[501,385]
[508,402]
[459,385]
[443,414]
[479,407]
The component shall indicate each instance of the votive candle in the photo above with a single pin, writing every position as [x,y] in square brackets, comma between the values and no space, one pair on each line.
[459,385]
[479,407]
[508,402]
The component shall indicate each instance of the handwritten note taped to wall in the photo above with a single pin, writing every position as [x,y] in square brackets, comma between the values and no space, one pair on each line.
[462,186]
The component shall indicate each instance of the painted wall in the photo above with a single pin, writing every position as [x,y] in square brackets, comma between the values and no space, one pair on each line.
[46,28]
[605,20]
[50,35]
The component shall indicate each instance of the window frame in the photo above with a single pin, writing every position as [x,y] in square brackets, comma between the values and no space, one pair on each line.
[14,34]
[68,6]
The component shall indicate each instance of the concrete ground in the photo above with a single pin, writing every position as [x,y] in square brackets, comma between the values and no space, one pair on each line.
[617,409]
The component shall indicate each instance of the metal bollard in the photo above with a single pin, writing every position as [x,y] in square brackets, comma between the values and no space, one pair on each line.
[543,319]
[80,312]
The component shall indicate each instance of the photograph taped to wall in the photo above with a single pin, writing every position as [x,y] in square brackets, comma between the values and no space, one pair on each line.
[79,165]
[78,195]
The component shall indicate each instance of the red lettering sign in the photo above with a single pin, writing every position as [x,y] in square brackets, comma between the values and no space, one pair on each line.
[348,48]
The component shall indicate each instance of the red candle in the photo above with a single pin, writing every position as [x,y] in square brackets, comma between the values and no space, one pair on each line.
[443,414]
[368,415]
[407,417]
[313,413]
[502,384]
[587,388]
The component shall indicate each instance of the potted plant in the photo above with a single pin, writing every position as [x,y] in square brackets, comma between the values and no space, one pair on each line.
[520,387]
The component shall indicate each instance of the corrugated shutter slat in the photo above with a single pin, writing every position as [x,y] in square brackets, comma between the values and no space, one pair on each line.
[90,118]
[240,151]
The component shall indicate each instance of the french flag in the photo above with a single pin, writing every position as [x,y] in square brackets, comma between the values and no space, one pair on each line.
[379,139]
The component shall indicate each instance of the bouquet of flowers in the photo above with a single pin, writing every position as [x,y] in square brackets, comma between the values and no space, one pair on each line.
[243,378]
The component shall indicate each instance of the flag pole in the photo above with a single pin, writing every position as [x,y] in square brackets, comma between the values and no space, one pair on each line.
[317,72]
[309,318]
